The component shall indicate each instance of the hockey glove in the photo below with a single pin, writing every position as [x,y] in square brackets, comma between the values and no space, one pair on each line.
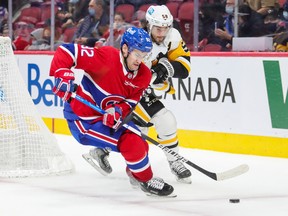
[163,70]
[113,116]
[64,86]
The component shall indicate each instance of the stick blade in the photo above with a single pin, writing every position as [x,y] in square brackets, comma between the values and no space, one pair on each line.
[239,170]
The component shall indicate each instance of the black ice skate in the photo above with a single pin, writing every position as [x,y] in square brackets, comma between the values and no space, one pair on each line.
[101,157]
[157,187]
[180,171]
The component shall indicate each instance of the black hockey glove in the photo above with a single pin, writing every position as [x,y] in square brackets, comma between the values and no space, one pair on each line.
[163,70]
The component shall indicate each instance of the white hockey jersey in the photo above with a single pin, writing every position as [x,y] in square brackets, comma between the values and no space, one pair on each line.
[173,47]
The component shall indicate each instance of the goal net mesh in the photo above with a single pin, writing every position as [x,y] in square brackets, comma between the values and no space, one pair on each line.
[27,147]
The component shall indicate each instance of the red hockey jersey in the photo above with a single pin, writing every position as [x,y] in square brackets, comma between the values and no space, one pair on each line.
[105,80]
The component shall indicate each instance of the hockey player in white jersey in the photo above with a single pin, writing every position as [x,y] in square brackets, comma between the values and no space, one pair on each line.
[170,58]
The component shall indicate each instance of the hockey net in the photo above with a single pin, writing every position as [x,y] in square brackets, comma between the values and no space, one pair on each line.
[27,147]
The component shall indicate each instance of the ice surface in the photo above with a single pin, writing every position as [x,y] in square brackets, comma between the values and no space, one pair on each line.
[263,191]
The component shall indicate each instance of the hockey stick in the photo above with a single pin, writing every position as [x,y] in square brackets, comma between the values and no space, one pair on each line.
[239,170]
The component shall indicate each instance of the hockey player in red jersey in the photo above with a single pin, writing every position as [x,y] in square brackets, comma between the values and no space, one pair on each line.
[115,81]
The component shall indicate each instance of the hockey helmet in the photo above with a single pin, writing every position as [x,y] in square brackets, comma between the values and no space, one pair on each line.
[137,38]
[159,15]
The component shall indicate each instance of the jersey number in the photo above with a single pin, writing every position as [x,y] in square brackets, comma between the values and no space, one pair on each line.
[89,51]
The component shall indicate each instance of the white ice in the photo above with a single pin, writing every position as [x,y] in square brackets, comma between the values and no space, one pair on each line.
[263,190]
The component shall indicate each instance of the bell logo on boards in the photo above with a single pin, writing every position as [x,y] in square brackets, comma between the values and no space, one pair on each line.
[41,90]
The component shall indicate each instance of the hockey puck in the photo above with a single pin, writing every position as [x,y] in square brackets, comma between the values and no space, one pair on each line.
[234,200]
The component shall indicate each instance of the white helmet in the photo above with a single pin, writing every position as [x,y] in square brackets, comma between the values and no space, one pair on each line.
[159,15]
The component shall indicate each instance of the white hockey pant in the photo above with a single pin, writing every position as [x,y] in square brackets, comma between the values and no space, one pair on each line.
[166,128]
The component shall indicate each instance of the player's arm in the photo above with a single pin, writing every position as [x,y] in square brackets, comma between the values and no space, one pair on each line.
[180,60]
[176,63]
[60,68]
[64,57]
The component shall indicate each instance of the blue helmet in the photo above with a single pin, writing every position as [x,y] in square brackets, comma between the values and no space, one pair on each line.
[137,38]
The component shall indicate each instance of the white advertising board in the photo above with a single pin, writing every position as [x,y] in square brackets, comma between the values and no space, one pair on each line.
[233,94]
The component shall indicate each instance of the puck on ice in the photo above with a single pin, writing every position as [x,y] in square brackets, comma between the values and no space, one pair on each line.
[234,200]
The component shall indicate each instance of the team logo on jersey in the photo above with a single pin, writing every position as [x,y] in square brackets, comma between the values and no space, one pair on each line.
[128,83]
[130,75]
[110,99]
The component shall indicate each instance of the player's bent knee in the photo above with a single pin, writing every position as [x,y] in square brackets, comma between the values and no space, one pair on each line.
[132,146]
[165,122]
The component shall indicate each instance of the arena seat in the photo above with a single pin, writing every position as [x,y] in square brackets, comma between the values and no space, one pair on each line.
[173,7]
[46,11]
[30,15]
[186,21]
[127,10]
[144,7]
[212,48]
[68,34]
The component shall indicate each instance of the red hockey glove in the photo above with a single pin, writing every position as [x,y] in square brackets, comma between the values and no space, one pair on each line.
[113,116]
[64,84]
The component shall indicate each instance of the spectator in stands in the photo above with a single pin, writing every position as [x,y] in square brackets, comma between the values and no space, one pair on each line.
[78,9]
[225,31]
[211,17]
[251,24]
[283,14]
[119,26]
[37,39]
[65,19]
[273,23]
[139,19]
[57,37]
[42,41]
[22,35]
[3,18]
[262,6]
[95,24]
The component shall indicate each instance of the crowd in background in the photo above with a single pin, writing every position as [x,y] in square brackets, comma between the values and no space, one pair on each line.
[87,22]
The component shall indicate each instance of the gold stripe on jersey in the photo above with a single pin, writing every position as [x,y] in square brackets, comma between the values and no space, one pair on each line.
[181,54]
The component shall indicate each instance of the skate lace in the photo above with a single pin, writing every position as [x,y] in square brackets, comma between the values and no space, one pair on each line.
[156,183]
[104,157]
[105,160]
[178,167]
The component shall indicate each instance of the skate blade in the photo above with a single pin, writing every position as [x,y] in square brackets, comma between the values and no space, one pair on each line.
[184,180]
[161,197]
[89,159]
